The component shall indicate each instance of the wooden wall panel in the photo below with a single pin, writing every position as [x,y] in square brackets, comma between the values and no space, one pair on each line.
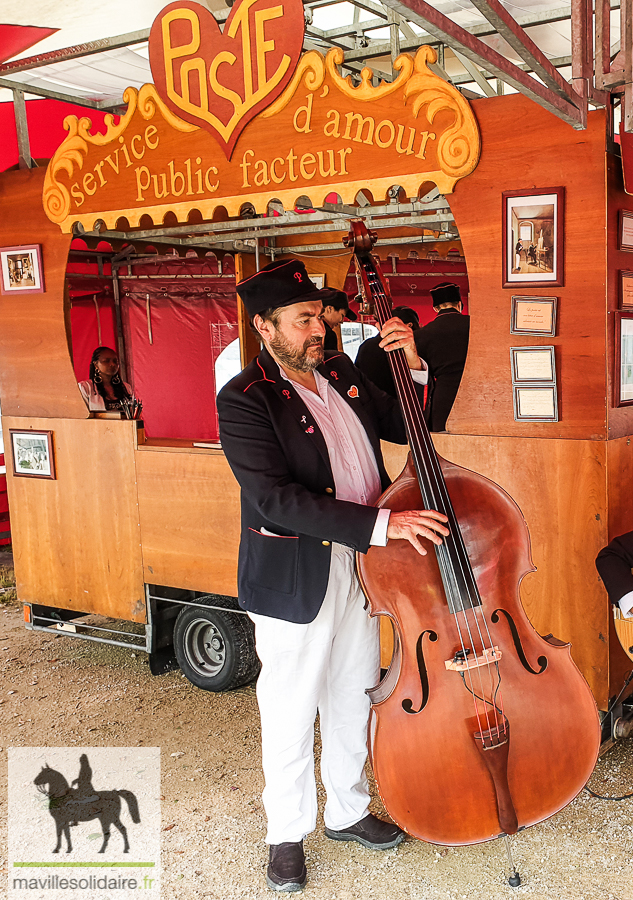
[620,419]
[560,487]
[36,375]
[76,539]
[190,519]
[524,147]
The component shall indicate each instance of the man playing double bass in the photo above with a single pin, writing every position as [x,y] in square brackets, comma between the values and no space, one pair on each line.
[301,430]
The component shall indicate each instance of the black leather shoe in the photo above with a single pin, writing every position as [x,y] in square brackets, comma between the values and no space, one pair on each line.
[371,832]
[286,867]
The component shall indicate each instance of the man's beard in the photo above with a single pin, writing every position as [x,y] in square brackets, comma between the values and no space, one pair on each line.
[298,359]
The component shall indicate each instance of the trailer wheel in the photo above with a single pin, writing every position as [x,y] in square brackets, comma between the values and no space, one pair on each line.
[215,650]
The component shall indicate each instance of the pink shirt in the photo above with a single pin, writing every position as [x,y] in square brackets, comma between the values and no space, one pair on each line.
[352,458]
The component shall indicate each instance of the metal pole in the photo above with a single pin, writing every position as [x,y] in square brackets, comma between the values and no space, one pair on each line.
[22,128]
[120,343]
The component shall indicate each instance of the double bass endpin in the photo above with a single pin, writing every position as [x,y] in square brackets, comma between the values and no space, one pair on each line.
[515,879]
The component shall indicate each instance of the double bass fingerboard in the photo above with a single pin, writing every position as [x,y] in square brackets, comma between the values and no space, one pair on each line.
[455,569]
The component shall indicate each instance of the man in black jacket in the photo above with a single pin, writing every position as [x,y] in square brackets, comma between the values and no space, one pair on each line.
[372,359]
[301,430]
[614,563]
[443,345]
[335,311]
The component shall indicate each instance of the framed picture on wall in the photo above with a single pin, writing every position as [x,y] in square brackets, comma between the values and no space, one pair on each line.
[624,359]
[32,453]
[21,270]
[625,230]
[532,364]
[533,239]
[534,315]
[626,290]
[535,403]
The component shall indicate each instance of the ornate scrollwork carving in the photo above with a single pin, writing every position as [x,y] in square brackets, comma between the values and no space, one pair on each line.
[70,155]
[459,146]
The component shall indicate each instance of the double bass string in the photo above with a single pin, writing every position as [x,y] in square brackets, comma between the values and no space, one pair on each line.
[412,413]
[436,483]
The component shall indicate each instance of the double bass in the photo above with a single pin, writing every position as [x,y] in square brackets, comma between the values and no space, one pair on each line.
[480,727]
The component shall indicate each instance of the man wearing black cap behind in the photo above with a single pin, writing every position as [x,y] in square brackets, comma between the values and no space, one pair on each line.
[443,345]
[335,310]
[372,360]
[301,430]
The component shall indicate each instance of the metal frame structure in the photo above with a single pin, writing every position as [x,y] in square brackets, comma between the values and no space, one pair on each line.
[598,70]
[592,73]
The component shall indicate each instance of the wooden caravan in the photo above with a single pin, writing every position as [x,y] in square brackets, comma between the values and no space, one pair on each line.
[142,527]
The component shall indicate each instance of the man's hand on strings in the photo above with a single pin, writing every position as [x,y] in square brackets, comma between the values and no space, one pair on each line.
[427,523]
[395,335]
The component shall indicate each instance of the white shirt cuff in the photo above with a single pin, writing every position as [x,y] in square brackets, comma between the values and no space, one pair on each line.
[379,534]
[421,376]
[625,603]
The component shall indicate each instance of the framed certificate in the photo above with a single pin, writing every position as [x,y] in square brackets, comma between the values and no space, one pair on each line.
[625,230]
[626,290]
[532,364]
[624,359]
[535,315]
[535,403]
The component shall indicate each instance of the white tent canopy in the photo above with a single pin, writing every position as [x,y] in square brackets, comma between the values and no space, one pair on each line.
[363,31]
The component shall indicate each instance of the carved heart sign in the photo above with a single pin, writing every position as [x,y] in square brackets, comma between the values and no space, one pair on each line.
[220,80]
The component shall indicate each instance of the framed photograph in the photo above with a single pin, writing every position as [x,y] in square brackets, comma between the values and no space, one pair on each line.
[318,281]
[21,270]
[535,403]
[533,237]
[624,359]
[534,315]
[626,290]
[625,230]
[32,453]
[532,364]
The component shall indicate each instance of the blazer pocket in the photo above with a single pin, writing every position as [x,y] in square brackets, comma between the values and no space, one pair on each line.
[272,561]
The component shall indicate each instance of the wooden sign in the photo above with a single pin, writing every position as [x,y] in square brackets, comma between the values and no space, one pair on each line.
[321,134]
[221,80]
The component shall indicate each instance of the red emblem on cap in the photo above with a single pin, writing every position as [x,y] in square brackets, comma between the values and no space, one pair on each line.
[353,392]
[298,276]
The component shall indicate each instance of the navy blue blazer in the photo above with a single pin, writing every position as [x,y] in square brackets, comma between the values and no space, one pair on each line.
[614,564]
[280,459]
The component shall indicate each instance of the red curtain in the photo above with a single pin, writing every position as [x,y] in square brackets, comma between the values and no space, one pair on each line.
[175,327]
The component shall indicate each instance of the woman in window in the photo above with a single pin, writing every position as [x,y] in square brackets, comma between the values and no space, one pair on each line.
[104,390]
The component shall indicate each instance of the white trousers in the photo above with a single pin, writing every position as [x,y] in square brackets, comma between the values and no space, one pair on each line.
[323,666]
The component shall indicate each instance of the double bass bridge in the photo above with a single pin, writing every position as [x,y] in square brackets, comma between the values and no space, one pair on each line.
[461,662]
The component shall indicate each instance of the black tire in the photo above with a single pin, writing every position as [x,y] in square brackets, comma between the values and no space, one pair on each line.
[215,650]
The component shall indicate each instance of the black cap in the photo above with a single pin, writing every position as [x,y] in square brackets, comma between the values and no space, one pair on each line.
[447,292]
[281,284]
[339,301]
[407,315]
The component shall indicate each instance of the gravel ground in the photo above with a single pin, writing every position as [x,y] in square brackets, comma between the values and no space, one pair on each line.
[59,691]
